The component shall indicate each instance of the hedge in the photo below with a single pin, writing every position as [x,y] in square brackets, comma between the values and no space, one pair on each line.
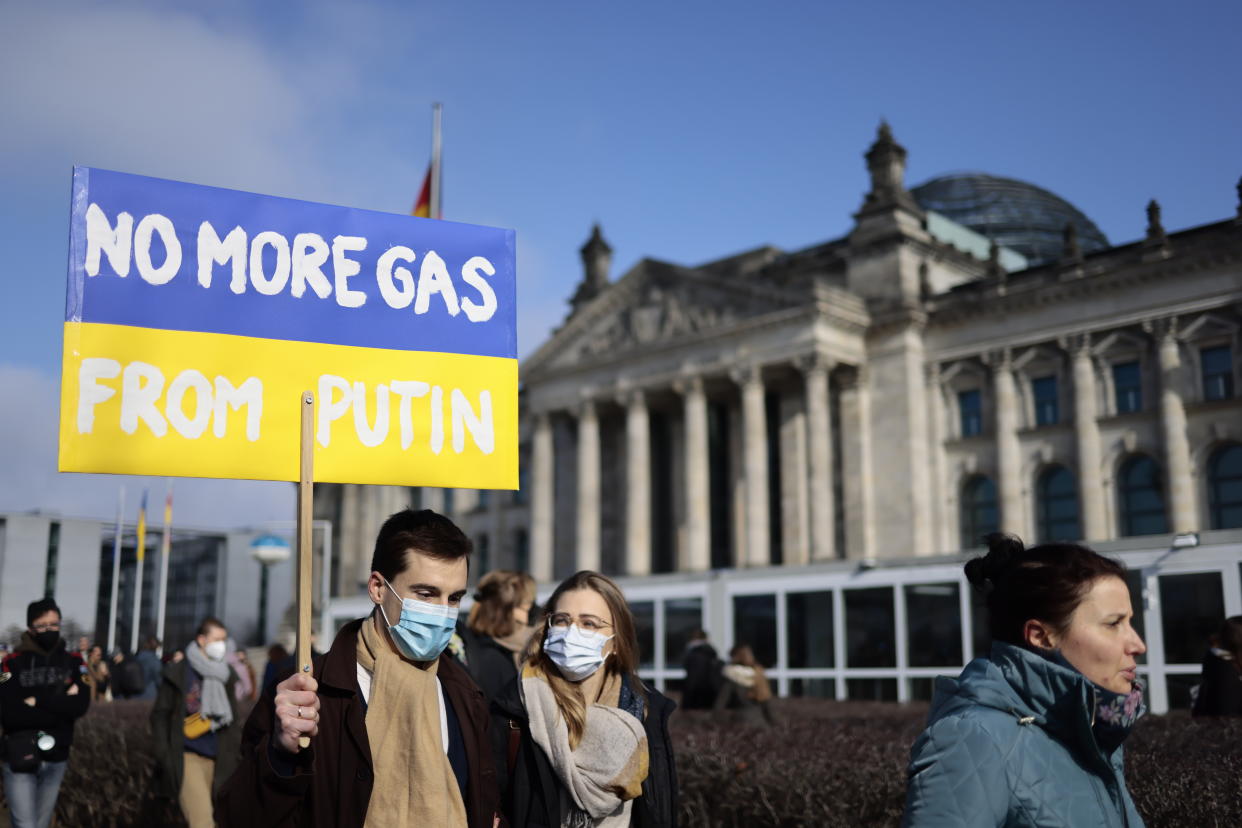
[822,764]
[843,764]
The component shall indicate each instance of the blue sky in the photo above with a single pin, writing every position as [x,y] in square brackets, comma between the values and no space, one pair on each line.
[690,130]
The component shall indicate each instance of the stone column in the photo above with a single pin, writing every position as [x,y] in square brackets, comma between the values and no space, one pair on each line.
[541,500]
[1087,434]
[1181,500]
[856,466]
[637,483]
[755,465]
[698,491]
[819,457]
[588,487]
[1008,452]
[941,513]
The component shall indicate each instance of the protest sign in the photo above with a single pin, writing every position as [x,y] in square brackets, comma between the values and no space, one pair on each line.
[196,316]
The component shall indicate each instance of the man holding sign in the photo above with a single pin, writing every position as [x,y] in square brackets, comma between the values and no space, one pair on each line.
[398,730]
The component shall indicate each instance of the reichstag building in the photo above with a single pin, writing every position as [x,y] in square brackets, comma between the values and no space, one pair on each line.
[797,449]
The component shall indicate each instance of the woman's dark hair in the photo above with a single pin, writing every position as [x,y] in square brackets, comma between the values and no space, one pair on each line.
[425,532]
[1045,582]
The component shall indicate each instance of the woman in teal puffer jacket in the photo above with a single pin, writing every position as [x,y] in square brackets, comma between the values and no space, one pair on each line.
[1031,735]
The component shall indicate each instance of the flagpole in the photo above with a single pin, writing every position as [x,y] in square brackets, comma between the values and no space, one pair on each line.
[116,567]
[165,550]
[142,553]
[435,211]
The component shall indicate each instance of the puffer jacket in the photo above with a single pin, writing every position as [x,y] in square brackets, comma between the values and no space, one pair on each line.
[1009,743]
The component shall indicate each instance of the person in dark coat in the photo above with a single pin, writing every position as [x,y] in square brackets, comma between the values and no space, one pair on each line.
[43,692]
[703,673]
[1220,688]
[152,670]
[498,628]
[579,738]
[194,725]
[279,665]
[397,729]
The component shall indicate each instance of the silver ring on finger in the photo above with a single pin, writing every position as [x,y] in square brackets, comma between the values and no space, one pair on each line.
[299,712]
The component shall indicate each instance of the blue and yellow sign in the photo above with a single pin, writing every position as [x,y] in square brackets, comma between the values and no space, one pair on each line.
[196,316]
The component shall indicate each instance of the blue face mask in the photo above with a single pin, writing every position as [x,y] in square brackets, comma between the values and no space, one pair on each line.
[424,629]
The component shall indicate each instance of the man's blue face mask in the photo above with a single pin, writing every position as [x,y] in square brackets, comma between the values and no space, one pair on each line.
[424,629]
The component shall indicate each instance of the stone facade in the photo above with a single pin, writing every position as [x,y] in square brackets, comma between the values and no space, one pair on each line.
[878,395]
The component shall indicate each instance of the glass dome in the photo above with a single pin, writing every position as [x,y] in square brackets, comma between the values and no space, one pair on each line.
[1013,213]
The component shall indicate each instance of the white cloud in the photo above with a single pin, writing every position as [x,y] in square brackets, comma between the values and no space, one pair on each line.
[155,91]
[28,443]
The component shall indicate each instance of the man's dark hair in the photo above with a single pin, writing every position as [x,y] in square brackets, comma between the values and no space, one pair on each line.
[40,607]
[208,624]
[424,532]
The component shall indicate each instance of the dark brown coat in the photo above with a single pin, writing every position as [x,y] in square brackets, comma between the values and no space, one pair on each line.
[168,735]
[331,783]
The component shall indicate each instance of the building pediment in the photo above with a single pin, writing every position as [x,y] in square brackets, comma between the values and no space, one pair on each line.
[655,303]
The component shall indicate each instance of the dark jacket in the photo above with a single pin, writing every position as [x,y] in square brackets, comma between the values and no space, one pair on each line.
[703,676]
[531,797]
[152,673]
[168,734]
[331,781]
[489,662]
[47,676]
[1220,688]
[1009,742]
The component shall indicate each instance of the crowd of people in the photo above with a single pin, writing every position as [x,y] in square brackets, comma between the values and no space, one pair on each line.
[523,715]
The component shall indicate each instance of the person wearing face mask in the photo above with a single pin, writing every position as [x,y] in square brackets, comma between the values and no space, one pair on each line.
[580,740]
[194,725]
[397,728]
[43,692]
[1031,735]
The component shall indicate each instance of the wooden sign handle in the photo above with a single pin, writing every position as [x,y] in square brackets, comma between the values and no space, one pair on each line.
[306,494]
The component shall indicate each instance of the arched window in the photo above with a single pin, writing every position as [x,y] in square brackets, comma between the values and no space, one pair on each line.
[1142,497]
[1057,505]
[1225,487]
[979,516]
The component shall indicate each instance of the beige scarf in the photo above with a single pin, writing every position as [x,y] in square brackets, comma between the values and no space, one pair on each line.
[414,782]
[602,776]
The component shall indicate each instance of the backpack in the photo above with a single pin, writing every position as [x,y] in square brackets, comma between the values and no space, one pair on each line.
[128,680]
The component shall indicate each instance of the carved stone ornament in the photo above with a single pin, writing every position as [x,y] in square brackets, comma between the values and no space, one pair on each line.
[659,315]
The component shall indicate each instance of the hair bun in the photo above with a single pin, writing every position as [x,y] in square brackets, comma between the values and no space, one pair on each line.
[1003,550]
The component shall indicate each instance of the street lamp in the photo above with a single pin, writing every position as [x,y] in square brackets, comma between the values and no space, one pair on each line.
[267,550]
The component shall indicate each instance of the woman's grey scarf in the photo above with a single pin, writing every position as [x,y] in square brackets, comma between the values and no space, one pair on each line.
[215,698]
[604,774]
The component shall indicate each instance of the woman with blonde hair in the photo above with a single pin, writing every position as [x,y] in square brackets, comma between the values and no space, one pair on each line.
[580,740]
[498,628]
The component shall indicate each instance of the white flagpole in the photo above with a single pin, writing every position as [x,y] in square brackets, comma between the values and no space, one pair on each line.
[434,208]
[116,568]
[165,551]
